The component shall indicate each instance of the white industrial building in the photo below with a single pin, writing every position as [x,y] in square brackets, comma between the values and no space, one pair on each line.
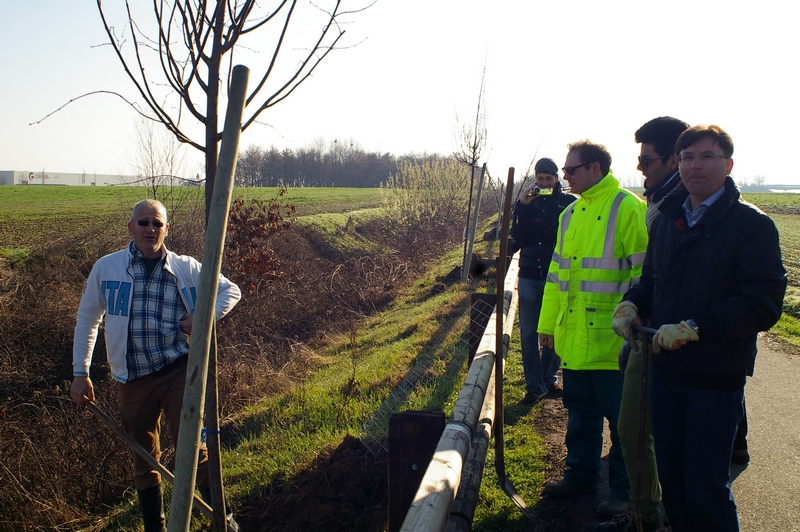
[24,177]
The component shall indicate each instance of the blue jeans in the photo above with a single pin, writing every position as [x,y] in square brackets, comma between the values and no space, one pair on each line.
[693,431]
[540,372]
[590,396]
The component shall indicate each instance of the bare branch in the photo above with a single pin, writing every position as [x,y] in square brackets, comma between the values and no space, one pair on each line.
[144,87]
[181,58]
[289,87]
[274,54]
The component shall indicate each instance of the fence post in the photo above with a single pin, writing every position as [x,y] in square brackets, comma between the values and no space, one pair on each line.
[473,227]
[413,436]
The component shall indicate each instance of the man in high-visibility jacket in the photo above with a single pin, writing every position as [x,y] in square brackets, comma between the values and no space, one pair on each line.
[600,248]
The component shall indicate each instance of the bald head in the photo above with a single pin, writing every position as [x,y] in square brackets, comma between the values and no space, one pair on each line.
[150,204]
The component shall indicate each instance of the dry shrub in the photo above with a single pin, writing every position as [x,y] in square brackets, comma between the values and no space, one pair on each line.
[54,463]
[313,289]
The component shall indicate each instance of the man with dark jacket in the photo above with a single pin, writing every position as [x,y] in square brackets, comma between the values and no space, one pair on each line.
[658,163]
[534,229]
[712,279]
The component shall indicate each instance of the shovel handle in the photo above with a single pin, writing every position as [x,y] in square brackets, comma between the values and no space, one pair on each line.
[642,328]
[141,451]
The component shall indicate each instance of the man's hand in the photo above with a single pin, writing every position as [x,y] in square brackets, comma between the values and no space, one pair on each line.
[528,195]
[81,391]
[546,340]
[186,323]
[673,336]
[625,316]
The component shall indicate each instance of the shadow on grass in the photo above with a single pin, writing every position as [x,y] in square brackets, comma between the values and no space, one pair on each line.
[344,491]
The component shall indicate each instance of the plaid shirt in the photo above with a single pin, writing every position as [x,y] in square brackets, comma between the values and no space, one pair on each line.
[155,338]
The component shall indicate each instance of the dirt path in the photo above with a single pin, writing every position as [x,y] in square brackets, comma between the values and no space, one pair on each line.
[559,514]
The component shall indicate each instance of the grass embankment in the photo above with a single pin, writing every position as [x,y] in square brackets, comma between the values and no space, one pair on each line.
[419,341]
[412,356]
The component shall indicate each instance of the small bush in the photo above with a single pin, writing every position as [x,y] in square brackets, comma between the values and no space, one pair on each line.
[426,203]
[16,257]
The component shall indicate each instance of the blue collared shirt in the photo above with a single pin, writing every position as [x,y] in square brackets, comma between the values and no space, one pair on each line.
[693,215]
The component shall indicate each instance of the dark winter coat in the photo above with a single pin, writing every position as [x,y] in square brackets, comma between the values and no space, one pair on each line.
[725,273]
[534,230]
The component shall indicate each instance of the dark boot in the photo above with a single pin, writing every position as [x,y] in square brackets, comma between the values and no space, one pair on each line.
[151,504]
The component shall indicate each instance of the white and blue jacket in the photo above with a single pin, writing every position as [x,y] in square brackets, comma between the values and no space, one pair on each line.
[107,292]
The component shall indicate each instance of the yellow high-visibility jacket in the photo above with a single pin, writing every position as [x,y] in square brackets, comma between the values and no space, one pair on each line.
[600,248]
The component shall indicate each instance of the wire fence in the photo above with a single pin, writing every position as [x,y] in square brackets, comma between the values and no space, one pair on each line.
[376,429]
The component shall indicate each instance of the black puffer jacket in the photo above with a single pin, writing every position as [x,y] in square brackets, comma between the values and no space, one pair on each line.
[725,273]
[534,230]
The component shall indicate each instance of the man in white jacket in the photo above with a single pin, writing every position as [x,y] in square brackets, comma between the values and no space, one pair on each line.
[147,295]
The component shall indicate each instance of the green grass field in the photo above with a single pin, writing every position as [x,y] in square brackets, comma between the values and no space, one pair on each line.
[31,214]
[41,202]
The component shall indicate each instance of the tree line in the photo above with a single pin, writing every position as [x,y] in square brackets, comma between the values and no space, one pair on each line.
[320,164]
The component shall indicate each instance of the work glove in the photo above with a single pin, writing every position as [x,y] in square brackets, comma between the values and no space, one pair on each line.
[624,316]
[673,336]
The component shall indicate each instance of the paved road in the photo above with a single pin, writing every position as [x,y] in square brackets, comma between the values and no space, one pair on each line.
[767,491]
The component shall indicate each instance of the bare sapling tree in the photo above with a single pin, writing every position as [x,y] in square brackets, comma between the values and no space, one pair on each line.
[180,58]
[470,143]
[498,189]
[159,166]
[157,160]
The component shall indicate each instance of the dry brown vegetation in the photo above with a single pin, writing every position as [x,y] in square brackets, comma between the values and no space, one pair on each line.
[57,464]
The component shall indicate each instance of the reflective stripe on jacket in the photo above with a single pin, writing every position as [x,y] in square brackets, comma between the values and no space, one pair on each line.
[600,249]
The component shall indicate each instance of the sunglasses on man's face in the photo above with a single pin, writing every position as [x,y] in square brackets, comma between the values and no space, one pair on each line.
[570,170]
[145,223]
[644,162]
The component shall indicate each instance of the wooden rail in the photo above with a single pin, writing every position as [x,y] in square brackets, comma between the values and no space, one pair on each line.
[462,448]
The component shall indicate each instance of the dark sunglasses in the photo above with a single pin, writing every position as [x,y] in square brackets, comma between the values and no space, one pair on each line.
[644,161]
[145,223]
[570,170]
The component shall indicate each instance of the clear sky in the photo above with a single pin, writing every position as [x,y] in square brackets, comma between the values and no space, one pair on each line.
[556,72]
